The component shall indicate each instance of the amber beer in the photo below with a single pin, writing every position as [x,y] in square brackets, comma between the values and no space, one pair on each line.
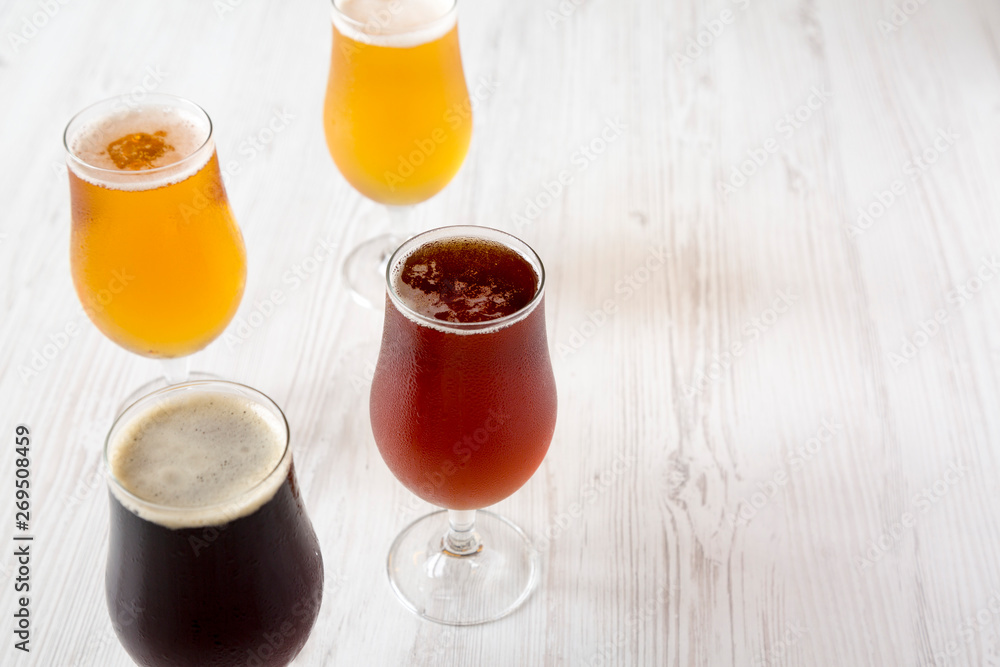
[157,258]
[212,559]
[397,116]
[463,401]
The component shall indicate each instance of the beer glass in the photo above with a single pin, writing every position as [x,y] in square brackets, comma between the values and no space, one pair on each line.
[157,257]
[463,413]
[397,115]
[211,557]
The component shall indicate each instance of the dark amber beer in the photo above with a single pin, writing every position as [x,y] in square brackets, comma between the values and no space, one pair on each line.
[212,559]
[463,407]
[463,401]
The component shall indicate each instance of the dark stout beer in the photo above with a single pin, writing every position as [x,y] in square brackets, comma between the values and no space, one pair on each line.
[212,559]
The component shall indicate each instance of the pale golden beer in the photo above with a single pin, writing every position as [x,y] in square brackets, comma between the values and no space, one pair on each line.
[157,258]
[398,117]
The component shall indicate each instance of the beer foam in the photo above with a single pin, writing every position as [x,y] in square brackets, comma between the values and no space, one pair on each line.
[394,23]
[436,300]
[198,458]
[185,137]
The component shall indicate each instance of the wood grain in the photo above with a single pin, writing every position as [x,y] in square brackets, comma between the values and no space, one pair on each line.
[728,484]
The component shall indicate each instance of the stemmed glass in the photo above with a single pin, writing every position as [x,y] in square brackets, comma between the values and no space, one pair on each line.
[397,116]
[463,413]
[157,257]
[212,559]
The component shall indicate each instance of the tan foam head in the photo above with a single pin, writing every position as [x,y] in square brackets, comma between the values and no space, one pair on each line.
[394,23]
[422,301]
[197,458]
[182,141]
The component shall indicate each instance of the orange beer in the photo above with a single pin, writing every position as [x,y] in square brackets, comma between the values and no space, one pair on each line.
[397,116]
[157,258]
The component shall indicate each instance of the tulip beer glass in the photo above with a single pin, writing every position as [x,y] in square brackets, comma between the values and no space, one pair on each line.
[397,116]
[463,407]
[157,258]
[212,559]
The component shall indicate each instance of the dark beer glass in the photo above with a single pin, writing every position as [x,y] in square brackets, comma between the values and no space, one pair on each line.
[463,408]
[234,581]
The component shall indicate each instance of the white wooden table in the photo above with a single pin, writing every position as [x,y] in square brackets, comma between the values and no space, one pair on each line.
[774,316]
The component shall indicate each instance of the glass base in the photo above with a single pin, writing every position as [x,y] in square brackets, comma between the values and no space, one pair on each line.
[160,383]
[463,590]
[364,270]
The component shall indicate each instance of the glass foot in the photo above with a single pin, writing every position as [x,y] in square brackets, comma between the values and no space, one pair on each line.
[463,590]
[364,270]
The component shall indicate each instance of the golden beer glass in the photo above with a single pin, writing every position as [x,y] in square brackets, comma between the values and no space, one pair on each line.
[397,116]
[157,258]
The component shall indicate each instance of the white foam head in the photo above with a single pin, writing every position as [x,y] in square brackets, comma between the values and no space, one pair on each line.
[186,131]
[394,23]
[196,456]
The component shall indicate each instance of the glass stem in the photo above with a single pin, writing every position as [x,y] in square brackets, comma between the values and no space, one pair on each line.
[400,222]
[176,370]
[462,538]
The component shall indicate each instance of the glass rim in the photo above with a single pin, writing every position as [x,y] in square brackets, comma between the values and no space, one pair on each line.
[257,396]
[126,99]
[364,28]
[464,231]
